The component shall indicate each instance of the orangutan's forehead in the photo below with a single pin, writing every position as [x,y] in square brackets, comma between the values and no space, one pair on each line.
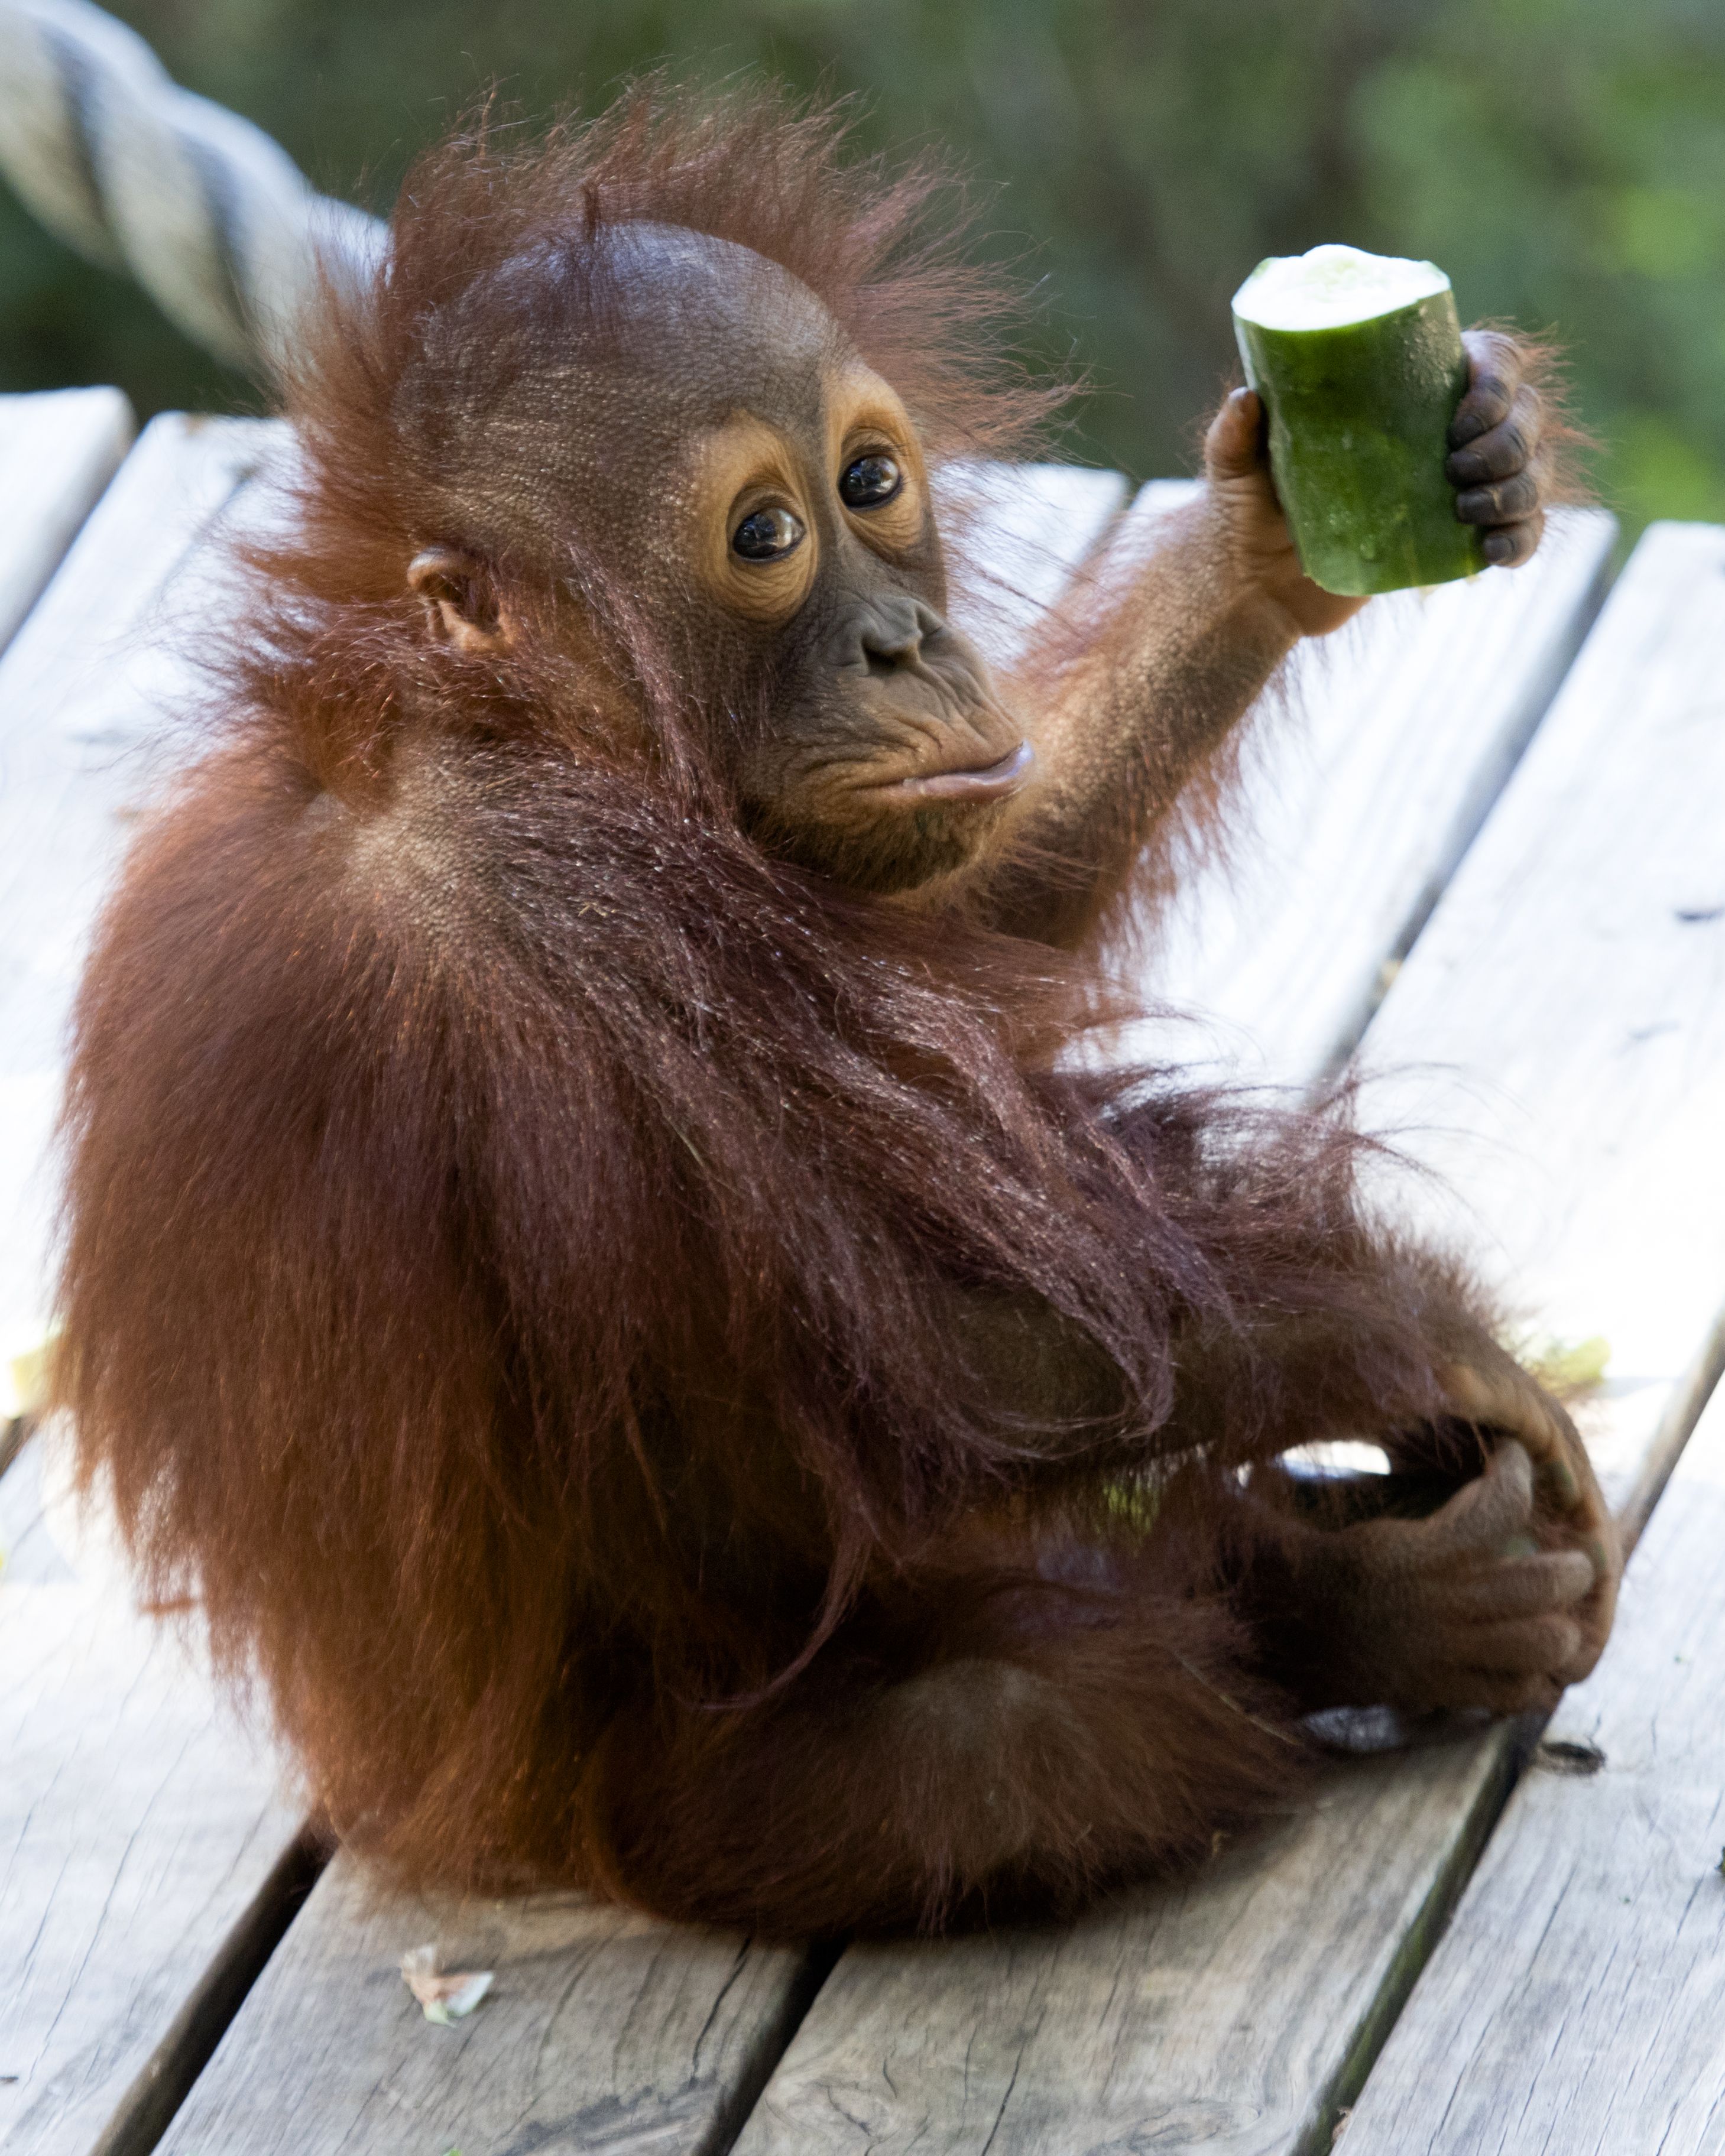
[576,365]
[675,324]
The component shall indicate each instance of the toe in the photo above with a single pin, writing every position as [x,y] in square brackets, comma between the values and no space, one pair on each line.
[1488,1512]
[1521,1587]
[1527,1646]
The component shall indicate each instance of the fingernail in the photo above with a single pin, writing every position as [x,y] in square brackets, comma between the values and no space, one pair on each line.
[1499,546]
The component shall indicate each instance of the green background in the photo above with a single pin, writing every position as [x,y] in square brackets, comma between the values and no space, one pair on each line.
[1564,160]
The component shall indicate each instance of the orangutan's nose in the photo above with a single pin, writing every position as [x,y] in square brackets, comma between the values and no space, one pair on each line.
[887,634]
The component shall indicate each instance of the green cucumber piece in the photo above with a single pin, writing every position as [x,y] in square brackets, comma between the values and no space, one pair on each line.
[1359,361]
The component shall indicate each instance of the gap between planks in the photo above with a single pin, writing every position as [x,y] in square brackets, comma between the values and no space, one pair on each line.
[603,2029]
[165,2079]
[141,1835]
[1367,772]
[84,686]
[140,1832]
[1574,2003]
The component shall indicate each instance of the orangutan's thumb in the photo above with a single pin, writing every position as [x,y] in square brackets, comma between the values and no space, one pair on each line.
[1234,448]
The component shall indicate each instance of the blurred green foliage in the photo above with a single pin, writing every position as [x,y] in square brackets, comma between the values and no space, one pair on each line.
[1563,159]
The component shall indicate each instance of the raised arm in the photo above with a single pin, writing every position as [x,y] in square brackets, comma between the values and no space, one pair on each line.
[1139,703]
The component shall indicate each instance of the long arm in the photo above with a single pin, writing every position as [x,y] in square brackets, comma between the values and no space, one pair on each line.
[1135,721]
[1141,699]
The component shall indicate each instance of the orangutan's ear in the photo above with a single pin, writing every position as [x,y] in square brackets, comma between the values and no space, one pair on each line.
[462,604]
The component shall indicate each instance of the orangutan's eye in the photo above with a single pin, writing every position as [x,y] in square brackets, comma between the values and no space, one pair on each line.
[869,482]
[767,535]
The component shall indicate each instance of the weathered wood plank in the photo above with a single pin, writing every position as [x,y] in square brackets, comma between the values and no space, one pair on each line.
[84,688]
[1584,1012]
[1367,779]
[605,2031]
[58,451]
[145,1857]
[1553,1054]
[1574,2003]
[149,1862]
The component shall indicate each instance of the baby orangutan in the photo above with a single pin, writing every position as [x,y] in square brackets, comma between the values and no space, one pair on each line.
[588,1253]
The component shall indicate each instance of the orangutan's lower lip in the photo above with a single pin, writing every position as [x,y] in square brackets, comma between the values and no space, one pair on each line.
[992,783]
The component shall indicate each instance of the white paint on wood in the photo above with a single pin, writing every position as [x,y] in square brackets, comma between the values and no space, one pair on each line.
[603,2031]
[87,690]
[1571,984]
[1553,1048]
[58,450]
[1367,773]
[1575,2003]
[138,1825]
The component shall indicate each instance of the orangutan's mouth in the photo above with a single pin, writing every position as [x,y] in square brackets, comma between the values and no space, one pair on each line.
[993,781]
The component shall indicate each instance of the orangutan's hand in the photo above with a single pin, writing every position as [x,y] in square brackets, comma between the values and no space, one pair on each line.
[1479,1605]
[1494,462]
[1494,465]
[1259,546]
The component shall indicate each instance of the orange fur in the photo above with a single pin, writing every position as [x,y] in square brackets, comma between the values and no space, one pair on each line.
[656,1362]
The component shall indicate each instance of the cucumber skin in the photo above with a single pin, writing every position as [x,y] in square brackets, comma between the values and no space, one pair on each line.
[1359,420]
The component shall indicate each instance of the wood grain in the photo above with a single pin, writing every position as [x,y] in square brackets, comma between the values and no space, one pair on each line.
[1107,2035]
[140,1832]
[1581,1023]
[1551,1048]
[1178,2018]
[87,688]
[1574,2003]
[605,2031]
[58,451]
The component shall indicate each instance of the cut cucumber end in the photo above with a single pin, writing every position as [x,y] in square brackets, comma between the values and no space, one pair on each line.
[1332,287]
[1359,360]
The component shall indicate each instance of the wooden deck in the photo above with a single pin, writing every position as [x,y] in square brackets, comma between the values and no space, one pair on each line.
[1487,854]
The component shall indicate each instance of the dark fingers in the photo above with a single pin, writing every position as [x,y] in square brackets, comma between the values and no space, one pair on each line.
[1494,442]
[1508,545]
[1503,450]
[1495,377]
[1500,1402]
[1490,1689]
[1508,501]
